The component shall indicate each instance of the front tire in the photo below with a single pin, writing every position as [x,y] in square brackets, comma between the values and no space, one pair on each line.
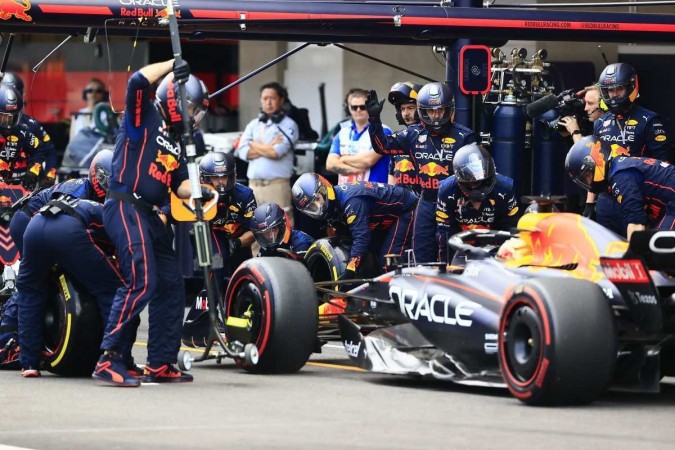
[271,302]
[557,342]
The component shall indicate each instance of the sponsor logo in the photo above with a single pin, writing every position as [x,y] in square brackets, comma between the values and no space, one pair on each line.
[173,149]
[4,166]
[437,309]
[432,169]
[631,122]
[628,138]
[352,349]
[660,138]
[422,138]
[403,165]
[640,298]
[448,140]
[625,271]
[15,8]
[172,102]
[169,162]
[433,156]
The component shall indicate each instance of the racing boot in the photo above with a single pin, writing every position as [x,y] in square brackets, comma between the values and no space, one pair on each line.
[29,372]
[112,369]
[164,373]
[9,355]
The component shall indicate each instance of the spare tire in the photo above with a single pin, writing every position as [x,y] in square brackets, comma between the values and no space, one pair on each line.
[73,328]
[325,261]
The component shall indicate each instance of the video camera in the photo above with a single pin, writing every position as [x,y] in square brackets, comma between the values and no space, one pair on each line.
[569,103]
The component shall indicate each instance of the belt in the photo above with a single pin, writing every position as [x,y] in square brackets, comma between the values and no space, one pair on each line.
[267,182]
[430,196]
[139,203]
[59,206]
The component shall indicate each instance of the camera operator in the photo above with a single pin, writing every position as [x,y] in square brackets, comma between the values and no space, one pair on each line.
[592,110]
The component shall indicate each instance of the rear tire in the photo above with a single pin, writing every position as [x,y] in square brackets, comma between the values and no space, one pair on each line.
[557,342]
[275,299]
[73,328]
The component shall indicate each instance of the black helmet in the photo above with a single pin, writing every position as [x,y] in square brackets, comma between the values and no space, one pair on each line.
[271,225]
[401,93]
[99,172]
[218,164]
[586,163]
[615,76]
[13,80]
[313,195]
[11,106]
[475,171]
[435,96]
[168,101]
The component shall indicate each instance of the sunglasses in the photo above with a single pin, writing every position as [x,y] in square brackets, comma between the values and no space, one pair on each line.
[358,107]
[93,91]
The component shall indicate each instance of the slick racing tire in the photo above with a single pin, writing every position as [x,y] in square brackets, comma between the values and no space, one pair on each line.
[557,342]
[271,303]
[73,328]
[325,261]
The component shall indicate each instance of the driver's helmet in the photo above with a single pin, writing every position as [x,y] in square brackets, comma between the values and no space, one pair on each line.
[614,76]
[11,107]
[100,170]
[313,195]
[216,165]
[434,96]
[475,171]
[271,225]
[168,102]
[586,163]
[401,93]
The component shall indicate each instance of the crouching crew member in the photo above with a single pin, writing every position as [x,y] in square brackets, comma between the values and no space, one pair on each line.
[379,216]
[147,162]
[642,187]
[476,196]
[272,229]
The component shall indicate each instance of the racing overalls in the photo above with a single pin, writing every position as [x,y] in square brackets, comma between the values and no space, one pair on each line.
[67,232]
[431,154]
[21,156]
[232,220]
[644,190]
[147,162]
[638,133]
[455,212]
[51,158]
[379,218]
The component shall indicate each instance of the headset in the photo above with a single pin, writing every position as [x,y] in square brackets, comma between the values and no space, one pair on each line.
[352,91]
[276,117]
[106,94]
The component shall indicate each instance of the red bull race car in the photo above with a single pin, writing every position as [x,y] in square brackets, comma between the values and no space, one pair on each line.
[568,310]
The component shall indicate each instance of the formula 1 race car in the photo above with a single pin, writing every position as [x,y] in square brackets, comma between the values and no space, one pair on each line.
[570,310]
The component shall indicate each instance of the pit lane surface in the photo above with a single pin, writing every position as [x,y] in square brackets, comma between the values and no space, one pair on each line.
[327,405]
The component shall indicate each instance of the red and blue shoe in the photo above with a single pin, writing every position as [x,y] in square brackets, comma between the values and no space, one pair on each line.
[112,369]
[164,373]
[29,372]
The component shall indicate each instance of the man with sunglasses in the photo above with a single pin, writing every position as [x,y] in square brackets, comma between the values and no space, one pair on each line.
[351,155]
[94,93]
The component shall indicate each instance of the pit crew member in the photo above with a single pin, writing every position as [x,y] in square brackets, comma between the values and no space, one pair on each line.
[272,230]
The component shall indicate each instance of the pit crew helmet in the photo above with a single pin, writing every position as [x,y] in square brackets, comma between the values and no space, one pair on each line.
[218,164]
[11,107]
[401,93]
[168,102]
[614,76]
[313,195]
[586,163]
[475,171]
[13,80]
[100,170]
[271,225]
[435,96]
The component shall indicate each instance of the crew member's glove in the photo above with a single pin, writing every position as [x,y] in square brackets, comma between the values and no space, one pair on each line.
[374,106]
[234,244]
[181,71]
[589,211]
[32,177]
[207,194]
[49,179]
[347,275]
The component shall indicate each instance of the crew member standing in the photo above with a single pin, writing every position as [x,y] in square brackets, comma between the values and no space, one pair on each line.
[147,162]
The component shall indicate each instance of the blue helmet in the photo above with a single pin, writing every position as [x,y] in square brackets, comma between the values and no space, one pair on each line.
[475,171]
[586,163]
[271,225]
[313,195]
[13,80]
[218,164]
[11,107]
[616,76]
[100,170]
[434,96]
[168,101]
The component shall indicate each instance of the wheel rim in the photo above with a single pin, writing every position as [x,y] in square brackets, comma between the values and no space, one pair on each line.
[54,325]
[247,304]
[523,343]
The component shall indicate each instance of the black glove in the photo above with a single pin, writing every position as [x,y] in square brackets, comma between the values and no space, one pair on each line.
[207,194]
[234,244]
[30,180]
[589,211]
[374,106]
[46,182]
[181,71]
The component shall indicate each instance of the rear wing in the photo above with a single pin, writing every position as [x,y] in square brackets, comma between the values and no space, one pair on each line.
[656,248]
